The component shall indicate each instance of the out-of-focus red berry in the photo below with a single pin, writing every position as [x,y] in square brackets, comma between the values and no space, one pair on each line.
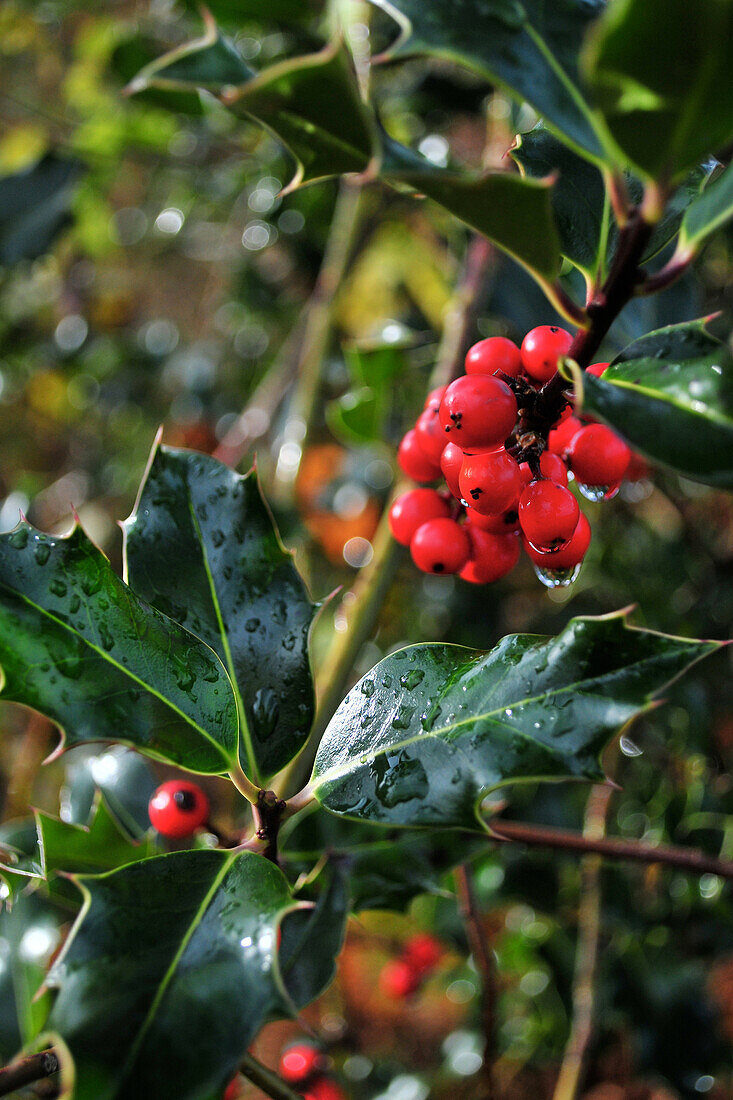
[423,951]
[451,461]
[301,1061]
[398,979]
[413,461]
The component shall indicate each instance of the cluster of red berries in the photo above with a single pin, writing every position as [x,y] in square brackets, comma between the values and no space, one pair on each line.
[178,808]
[304,1064]
[403,976]
[507,469]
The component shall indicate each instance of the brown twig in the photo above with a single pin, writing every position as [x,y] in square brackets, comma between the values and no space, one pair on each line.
[265,1080]
[538,836]
[27,1070]
[483,958]
[268,815]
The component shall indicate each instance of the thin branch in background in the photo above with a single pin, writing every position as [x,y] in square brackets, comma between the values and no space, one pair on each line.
[32,751]
[27,1070]
[483,957]
[685,859]
[572,1070]
[264,1078]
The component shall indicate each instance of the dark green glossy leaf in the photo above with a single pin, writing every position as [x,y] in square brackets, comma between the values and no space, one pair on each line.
[35,205]
[431,729]
[212,62]
[124,778]
[710,211]
[670,394]
[21,862]
[239,11]
[234,586]
[132,55]
[661,73]
[99,846]
[78,645]
[29,934]
[175,954]
[528,46]
[312,939]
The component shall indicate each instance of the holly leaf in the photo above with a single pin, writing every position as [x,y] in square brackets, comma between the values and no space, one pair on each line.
[424,736]
[174,954]
[234,586]
[29,934]
[35,205]
[670,394]
[277,11]
[124,778]
[211,62]
[710,211]
[21,861]
[661,74]
[312,939]
[99,846]
[79,646]
[528,46]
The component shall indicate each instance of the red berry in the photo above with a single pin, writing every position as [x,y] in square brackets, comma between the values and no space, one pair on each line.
[541,349]
[422,951]
[301,1061]
[548,514]
[551,466]
[414,462]
[178,808]
[559,438]
[478,411]
[412,509]
[568,556]
[502,524]
[432,401]
[597,456]
[430,435]
[398,979]
[490,481]
[451,461]
[492,355]
[492,556]
[597,369]
[324,1089]
[440,546]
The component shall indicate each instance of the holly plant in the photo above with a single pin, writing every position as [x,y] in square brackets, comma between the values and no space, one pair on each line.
[184,939]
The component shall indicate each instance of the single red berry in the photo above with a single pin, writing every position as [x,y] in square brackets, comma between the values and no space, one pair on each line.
[597,369]
[490,481]
[597,456]
[541,349]
[568,556]
[430,435]
[422,951]
[478,410]
[492,355]
[559,438]
[551,466]
[451,461]
[440,546]
[548,514]
[324,1089]
[414,462]
[178,808]
[492,556]
[432,401]
[502,524]
[398,979]
[412,509]
[301,1061]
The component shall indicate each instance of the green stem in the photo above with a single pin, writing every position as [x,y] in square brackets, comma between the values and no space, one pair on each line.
[264,1078]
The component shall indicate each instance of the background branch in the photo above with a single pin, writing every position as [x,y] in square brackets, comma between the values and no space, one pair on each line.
[24,1072]
[483,957]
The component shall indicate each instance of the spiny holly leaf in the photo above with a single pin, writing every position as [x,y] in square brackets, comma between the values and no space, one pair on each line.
[99,846]
[168,974]
[312,939]
[528,46]
[21,862]
[211,62]
[661,74]
[710,210]
[29,934]
[124,778]
[234,586]
[79,646]
[431,729]
[35,205]
[670,394]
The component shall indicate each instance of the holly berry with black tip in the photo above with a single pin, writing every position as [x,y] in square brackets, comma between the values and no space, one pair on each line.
[440,546]
[478,411]
[490,481]
[413,461]
[178,808]
[492,556]
[414,508]
[493,355]
[398,979]
[300,1062]
[548,515]
[542,348]
[568,556]
[597,456]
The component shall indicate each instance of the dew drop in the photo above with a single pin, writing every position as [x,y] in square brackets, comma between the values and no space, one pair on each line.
[42,553]
[410,680]
[557,578]
[367,688]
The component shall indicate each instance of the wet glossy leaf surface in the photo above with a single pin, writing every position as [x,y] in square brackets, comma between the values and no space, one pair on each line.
[29,934]
[125,779]
[670,394]
[35,205]
[173,954]
[312,939]
[79,646]
[432,728]
[234,586]
[528,46]
[96,847]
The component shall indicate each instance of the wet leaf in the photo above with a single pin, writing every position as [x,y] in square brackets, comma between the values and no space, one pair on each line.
[35,205]
[710,211]
[29,934]
[99,846]
[670,394]
[234,586]
[124,778]
[312,939]
[422,738]
[79,646]
[173,954]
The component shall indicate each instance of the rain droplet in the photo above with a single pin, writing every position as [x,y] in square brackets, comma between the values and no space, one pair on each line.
[19,539]
[411,679]
[367,688]
[557,578]
[598,492]
[57,587]
[42,553]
